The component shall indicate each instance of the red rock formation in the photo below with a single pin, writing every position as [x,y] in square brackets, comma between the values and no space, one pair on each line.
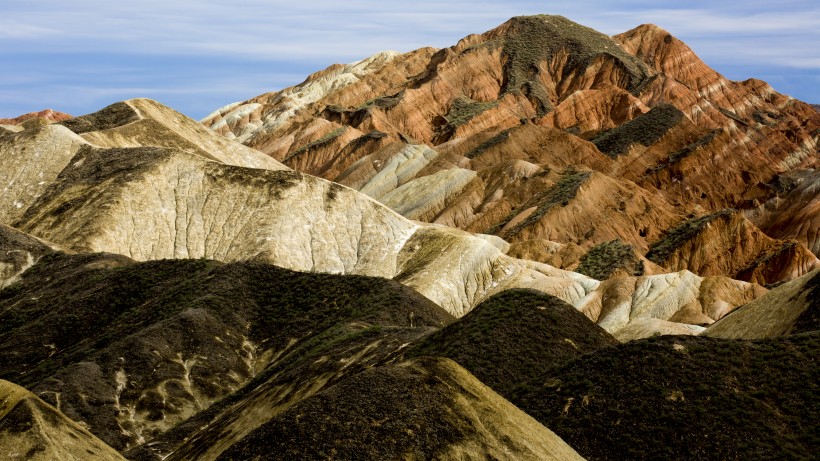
[650,133]
[48,115]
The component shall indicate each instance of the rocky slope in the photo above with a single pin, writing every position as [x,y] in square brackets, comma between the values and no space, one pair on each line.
[157,202]
[548,134]
[793,213]
[793,307]
[32,430]
[726,242]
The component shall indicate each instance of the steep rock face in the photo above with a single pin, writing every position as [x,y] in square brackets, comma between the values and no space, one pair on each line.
[790,308]
[727,243]
[31,160]
[776,133]
[32,430]
[662,135]
[442,411]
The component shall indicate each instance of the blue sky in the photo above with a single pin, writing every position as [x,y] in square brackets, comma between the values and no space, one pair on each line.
[196,56]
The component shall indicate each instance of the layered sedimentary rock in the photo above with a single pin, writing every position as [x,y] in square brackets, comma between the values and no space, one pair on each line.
[153,203]
[477,136]
[794,213]
[727,243]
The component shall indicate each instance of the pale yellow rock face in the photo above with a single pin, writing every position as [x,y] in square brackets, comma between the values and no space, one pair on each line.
[29,161]
[242,121]
[153,124]
[32,430]
[646,328]
[18,252]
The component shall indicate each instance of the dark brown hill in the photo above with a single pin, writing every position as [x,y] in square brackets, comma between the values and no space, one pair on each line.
[685,397]
[133,349]
[514,336]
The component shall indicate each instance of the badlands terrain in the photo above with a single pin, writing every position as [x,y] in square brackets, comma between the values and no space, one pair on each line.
[540,243]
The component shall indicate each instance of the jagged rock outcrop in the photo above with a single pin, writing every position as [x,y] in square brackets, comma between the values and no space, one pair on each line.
[470,136]
[32,430]
[793,307]
[427,408]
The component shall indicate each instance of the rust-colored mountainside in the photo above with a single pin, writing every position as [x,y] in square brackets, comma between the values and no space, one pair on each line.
[579,149]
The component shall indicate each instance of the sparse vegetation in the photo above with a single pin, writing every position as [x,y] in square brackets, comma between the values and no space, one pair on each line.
[687,150]
[86,310]
[676,237]
[326,139]
[533,41]
[513,336]
[560,194]
[464,109]
[116,114]
[645,129]
[685,397]
[489,144]
[604,259]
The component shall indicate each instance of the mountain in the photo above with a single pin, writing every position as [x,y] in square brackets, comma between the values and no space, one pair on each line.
[505,249]
[514,335]
[554,137]
[45,116]
[669,397]
[134,349]
[684,398]
[163,196]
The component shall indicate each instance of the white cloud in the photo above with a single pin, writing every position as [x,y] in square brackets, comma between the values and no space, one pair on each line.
[253,46]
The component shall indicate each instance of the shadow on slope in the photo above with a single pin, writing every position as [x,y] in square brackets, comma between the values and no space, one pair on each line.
[134,349]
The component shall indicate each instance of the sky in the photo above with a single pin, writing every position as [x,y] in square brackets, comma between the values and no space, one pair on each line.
[199,55]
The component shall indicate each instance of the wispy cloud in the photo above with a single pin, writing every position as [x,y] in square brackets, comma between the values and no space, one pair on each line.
[168,46]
